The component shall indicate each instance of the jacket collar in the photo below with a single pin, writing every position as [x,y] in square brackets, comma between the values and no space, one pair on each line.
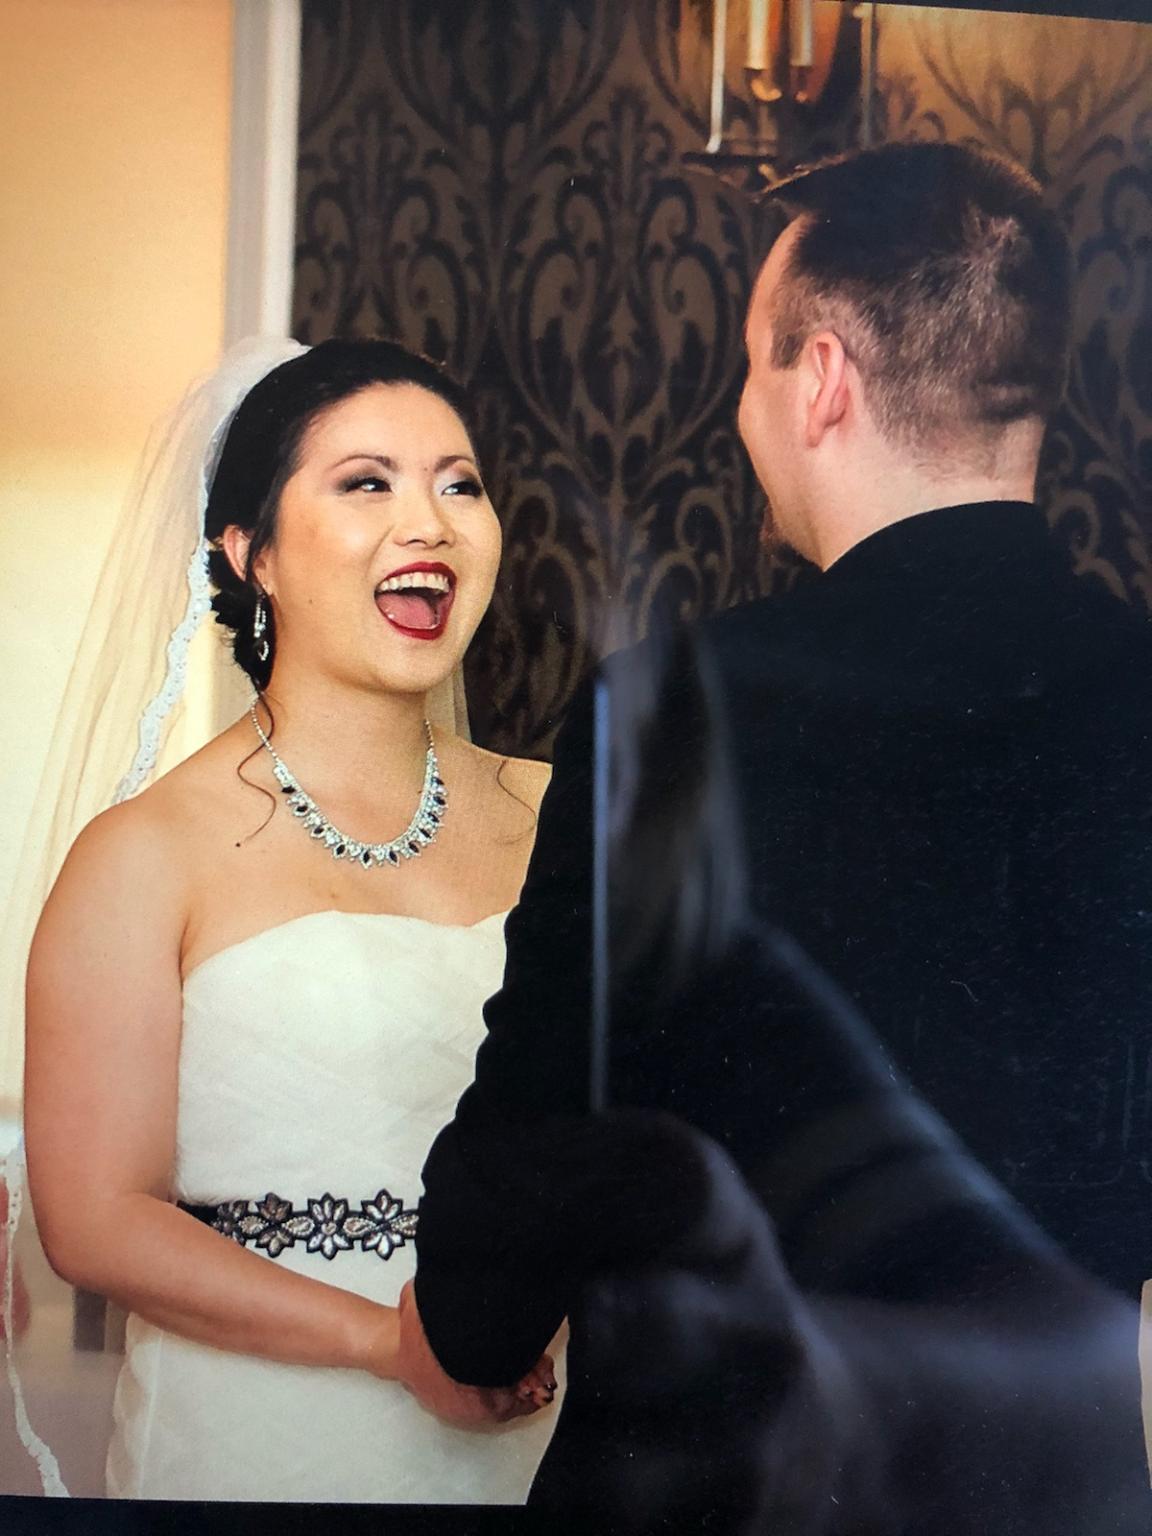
[981,539]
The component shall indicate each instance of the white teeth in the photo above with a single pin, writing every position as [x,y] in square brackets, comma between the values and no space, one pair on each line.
[427,581]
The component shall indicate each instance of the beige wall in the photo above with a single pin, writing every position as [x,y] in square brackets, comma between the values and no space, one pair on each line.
[114,123]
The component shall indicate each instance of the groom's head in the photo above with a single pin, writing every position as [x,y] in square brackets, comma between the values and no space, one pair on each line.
[908,333]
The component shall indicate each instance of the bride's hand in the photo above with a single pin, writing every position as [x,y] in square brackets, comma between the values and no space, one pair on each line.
[466,1407]
[538,1387]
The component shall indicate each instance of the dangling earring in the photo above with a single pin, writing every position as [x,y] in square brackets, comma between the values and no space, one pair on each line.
[259,625]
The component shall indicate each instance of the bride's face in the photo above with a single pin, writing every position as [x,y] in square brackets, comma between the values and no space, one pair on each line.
[386,545]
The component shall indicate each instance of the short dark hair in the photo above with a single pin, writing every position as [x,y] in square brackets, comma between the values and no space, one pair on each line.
[946,277]
[260,455]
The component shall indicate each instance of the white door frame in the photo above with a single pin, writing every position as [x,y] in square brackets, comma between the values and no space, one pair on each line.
[262,191]
[259,270]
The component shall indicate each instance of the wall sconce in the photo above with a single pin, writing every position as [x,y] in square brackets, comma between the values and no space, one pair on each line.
[786,73]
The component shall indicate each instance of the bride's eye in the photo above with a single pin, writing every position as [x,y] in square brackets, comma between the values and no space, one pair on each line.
[466,487]
[369,483]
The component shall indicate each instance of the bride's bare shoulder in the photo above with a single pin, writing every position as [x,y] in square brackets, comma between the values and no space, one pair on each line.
[124,868]
[522,777]
[525,777]
[146,836]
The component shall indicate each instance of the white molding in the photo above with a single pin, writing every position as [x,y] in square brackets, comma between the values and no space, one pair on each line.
[262,191]
[258,275]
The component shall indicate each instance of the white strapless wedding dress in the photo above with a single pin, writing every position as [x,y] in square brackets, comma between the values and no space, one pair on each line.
[319,1058]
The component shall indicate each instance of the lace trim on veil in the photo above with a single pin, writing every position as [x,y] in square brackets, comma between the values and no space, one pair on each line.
[46,1463]
[171,689]
[154,590]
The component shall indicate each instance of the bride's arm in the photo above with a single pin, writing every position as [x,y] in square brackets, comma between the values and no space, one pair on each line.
[104,1020]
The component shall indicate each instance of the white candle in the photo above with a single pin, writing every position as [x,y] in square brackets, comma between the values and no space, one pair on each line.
[757,34]
[802,45]
[719,52]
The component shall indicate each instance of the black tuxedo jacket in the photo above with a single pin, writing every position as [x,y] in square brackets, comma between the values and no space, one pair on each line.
[943,779]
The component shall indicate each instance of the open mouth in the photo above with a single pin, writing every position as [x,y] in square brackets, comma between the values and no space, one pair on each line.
[418,600]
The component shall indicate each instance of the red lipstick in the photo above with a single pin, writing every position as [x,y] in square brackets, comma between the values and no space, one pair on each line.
[418,613]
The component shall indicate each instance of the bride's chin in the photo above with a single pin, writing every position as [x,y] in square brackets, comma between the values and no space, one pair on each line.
[416,679]
[405,665]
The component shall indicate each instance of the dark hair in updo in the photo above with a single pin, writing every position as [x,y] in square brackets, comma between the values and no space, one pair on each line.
[261,451]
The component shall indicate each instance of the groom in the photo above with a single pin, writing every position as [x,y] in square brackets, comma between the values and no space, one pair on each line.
[944,779]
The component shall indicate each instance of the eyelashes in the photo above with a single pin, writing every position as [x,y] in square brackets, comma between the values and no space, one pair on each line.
[375,484]
[364,483]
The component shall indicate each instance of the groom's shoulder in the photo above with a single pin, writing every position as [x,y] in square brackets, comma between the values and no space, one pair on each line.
[749,634]
[778,618]
[766,636]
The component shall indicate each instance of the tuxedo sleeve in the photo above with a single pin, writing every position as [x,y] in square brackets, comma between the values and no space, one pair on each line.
[498,1243]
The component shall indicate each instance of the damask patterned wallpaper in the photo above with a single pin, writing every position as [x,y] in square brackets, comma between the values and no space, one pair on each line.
[500,183]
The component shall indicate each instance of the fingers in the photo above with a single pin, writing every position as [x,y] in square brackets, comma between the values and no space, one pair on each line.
[537,1388]
[468,1407]
[497,1405]
[543,1374]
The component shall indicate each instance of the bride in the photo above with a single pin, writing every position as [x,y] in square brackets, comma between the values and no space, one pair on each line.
[255,992]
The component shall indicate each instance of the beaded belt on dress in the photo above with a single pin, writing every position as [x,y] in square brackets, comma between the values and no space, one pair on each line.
[327,1225]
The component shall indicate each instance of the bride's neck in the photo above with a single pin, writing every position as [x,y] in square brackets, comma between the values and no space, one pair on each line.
[333,731]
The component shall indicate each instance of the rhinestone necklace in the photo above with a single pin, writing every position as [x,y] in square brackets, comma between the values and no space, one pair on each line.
[421,830]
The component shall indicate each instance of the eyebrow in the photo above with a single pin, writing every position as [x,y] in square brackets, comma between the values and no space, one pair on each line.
[385,462]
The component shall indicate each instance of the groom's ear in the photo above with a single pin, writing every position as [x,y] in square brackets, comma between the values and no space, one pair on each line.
[827,391]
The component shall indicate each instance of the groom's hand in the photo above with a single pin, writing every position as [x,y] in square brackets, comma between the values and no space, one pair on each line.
[466,1407]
